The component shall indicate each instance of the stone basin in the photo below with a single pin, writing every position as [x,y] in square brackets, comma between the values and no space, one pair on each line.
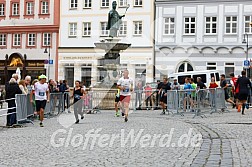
[112,44]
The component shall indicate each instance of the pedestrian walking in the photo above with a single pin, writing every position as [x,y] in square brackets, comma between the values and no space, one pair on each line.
[78,95]
[225,85]
[41,97]
[243,84]
[125,84]
[11,92]
[163,94]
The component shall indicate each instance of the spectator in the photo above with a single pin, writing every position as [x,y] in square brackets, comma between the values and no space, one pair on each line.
[28,83]
[175,85]
[194,86]
[233,83]
[138,91]
[11,91]
[200,87]
[187,99]
[23,87]
[64,88]
[148,93]
[213,84]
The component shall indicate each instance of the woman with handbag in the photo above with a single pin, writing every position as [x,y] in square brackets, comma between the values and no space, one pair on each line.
[78,95]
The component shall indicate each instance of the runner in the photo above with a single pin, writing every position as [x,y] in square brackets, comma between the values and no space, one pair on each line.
[125,84]
[117,100]
[224,85]
[41,97]
[243,83]
[77,95]
[163,92]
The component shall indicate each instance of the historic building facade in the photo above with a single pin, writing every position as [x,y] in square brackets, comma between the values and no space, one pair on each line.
[83,22]
[29,33]
[202,35]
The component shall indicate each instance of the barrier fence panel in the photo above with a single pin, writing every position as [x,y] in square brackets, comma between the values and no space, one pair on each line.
[21,107]
[219,99]
[172,101]
[30,106]
[55,106]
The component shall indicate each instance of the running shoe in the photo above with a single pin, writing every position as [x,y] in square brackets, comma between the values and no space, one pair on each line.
[126,119]
[77,121]
[122,114]
[247,106]
[82,117]
[162,113]
[41,124]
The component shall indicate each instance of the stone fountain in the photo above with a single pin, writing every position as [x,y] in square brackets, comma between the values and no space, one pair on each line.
[112,46]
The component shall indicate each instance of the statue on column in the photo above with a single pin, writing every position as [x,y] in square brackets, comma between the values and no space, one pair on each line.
[114,21]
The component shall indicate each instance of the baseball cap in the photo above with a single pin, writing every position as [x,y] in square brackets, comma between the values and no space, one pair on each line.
[42,76]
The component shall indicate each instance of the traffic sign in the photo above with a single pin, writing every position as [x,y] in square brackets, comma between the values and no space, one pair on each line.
[50,61]
[246,63]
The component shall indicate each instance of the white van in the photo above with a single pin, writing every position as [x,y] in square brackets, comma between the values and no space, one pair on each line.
[205,76]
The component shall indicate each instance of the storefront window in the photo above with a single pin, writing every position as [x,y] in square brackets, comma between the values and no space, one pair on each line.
[69,76]
[86,76]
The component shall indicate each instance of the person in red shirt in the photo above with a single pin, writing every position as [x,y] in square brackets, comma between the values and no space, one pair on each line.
[235,90]
[213,84]
[148,92]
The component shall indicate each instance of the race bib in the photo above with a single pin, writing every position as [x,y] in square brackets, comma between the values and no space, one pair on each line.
[126,89]
[77,96]
[41,93]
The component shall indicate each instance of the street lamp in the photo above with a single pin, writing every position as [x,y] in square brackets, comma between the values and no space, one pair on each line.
[246,41]
[49,56]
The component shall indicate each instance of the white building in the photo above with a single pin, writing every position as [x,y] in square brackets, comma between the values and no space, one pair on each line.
[201,35]
[28,27]
[83,22]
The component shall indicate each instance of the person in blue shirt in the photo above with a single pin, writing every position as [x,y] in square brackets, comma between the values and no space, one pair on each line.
[187,97]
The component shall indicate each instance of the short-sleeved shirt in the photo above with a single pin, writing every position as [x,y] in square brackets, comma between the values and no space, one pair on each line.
[223,84]
[188,87]
[127,84]
[201,85]
[40,91]
[165,87]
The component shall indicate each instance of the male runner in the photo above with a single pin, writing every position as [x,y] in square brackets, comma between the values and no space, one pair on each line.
[125,84]
[41,97]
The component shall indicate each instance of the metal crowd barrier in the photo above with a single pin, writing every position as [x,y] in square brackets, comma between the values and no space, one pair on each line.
[196,102]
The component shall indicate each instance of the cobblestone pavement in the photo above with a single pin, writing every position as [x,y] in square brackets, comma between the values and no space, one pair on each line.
[226,141]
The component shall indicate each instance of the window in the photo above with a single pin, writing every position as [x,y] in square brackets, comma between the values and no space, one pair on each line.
[87,3]
[31,39]
[29,8]
[123,3]
[104,31]
[229,68]
[86,29]
[190,25]
[73,29]
[69,75]
[248,21]
[138,27]
[46,39]
[138,3]
[73,4]
[211,66]
[123,29]
[105,3]
[44,7]
[169,26]
[185,67]
[17,40]
[2,9]
[2,39]
[231,25]
[15,9]
[211,25]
